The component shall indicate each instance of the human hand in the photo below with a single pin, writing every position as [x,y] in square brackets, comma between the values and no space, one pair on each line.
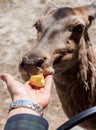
[19,91]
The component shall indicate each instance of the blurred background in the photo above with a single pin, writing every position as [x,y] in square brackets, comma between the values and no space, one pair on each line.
[17,36]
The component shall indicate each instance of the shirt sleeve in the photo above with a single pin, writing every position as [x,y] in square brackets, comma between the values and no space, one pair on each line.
[26,122]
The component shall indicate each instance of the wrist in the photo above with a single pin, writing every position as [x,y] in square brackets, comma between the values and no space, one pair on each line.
[22,110]
[25,106]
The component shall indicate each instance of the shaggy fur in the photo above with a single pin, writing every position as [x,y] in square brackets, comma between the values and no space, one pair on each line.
[77,86]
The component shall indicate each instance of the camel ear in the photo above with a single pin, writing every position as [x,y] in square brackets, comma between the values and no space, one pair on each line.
[50,6]
[92,10]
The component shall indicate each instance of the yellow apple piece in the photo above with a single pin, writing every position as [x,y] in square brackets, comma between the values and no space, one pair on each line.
[37,80]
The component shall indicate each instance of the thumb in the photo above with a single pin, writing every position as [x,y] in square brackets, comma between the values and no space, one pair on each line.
[7,78]
[48,82]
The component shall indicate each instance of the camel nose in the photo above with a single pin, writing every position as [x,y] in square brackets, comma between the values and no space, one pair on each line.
[34,60]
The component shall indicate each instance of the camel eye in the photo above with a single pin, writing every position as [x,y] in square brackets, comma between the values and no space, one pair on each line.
[78,29]
[38,27]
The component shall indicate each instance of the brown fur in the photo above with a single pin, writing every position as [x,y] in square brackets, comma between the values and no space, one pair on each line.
[64,48]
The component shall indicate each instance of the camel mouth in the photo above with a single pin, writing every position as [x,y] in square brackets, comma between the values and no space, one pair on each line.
[47,71]
[27,73]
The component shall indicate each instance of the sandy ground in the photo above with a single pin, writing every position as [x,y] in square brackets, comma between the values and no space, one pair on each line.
[17,36]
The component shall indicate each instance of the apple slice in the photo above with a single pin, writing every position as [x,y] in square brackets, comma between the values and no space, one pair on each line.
[37,80]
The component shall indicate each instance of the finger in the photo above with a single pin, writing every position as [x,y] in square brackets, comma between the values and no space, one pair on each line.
[31,87]
[48,82]
[27,83]
[7,78]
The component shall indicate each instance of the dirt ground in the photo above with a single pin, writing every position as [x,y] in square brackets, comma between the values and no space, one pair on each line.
[17,36]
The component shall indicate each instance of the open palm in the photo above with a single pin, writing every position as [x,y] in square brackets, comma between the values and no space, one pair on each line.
[19,91]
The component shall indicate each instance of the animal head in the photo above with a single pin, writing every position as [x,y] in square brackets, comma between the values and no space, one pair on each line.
[62,35]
